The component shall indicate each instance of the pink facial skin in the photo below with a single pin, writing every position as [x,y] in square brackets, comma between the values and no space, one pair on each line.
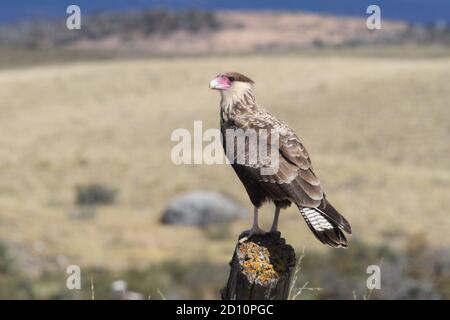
[220,83]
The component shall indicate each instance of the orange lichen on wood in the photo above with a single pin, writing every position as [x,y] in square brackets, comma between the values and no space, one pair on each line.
[259,264]
[261,268]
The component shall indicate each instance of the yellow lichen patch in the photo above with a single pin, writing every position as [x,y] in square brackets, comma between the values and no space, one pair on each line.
[256,263]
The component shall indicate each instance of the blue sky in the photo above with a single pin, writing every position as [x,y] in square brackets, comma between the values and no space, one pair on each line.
[416,11]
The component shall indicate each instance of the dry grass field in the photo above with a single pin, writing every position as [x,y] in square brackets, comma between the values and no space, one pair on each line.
[377,128]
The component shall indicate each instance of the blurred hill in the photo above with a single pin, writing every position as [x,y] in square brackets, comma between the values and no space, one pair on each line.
[194,32]
[411,11]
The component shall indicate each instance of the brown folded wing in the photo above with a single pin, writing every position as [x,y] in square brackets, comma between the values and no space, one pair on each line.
[294,178]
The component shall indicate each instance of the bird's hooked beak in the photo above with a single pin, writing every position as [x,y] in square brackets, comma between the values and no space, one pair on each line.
[220,83]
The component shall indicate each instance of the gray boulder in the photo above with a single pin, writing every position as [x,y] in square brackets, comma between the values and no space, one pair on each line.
[201,208]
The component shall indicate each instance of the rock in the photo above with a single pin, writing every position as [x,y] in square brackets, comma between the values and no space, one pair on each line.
[201,208]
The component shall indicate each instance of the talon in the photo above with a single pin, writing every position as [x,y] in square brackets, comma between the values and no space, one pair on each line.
[252,232]
[242,240]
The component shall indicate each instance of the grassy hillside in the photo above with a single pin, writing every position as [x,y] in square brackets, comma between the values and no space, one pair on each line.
[377,130]
[200,32]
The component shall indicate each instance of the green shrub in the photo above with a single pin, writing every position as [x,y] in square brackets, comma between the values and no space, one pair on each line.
[95,194]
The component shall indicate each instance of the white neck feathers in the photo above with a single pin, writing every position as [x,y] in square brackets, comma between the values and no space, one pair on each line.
[239,91]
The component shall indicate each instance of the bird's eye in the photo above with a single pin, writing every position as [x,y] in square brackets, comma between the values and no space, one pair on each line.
[231,79]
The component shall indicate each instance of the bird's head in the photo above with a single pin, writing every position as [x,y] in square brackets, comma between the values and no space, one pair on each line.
[232,84]
[230,81]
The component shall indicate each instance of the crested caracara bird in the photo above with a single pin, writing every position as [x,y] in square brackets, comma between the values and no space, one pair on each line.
[294,181]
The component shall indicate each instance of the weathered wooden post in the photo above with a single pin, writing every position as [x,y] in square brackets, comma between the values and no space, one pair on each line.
[261,269]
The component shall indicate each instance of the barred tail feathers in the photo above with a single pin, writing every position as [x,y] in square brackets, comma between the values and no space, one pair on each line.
[325,229]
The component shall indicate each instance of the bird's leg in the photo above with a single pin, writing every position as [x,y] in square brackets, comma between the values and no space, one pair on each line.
[275,219]
[255,230]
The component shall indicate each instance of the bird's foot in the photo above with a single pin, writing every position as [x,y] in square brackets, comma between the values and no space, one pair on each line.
[254,231]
